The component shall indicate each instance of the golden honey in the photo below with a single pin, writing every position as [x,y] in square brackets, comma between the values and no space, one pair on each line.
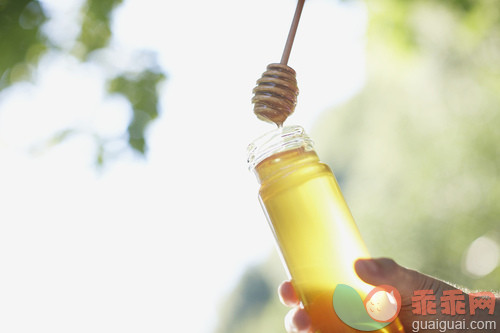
[317,237]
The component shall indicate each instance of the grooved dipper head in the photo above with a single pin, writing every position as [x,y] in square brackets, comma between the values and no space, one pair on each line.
[275,95]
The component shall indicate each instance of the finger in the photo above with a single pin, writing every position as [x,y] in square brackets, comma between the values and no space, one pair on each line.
[386,271]
[297,321]
[380,271]
[287,294]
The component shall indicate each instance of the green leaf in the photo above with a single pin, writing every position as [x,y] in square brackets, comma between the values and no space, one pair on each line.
[140,89]
[21,41]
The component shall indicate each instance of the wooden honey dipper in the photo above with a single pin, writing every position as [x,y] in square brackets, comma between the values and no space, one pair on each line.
[275,95]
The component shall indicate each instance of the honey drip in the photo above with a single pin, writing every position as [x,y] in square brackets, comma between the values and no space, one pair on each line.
[275,95]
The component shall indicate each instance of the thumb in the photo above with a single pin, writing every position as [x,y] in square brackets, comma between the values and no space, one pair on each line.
[386,271]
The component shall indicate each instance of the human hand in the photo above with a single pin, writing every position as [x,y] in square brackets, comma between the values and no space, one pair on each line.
[381,271]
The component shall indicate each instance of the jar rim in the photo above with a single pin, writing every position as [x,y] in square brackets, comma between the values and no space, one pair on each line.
[278,140]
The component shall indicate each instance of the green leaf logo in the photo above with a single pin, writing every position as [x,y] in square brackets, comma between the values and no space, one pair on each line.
[380,307]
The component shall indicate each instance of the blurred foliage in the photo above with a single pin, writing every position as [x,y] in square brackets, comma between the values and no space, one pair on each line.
[96,29]
[417,151]
[253,306]
[23,43]
[140,90]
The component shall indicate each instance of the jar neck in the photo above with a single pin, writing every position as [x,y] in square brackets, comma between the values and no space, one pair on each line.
[278,150]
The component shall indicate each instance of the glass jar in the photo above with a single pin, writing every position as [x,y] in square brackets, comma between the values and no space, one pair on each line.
[315,232]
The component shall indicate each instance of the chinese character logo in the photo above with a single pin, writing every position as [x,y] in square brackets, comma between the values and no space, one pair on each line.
[424,302]
[482,300]
[452,302]
[380,307]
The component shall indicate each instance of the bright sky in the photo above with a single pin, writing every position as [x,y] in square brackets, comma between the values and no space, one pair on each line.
[154,245]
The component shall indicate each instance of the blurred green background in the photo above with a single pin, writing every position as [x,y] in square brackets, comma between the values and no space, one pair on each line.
[23,42]
[416,152]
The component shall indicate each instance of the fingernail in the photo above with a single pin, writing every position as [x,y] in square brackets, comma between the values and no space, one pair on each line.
[287,294]
[301,320]
[368,265]
[297,321]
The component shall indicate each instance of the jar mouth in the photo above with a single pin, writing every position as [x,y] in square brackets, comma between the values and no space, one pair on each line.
[278,140]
